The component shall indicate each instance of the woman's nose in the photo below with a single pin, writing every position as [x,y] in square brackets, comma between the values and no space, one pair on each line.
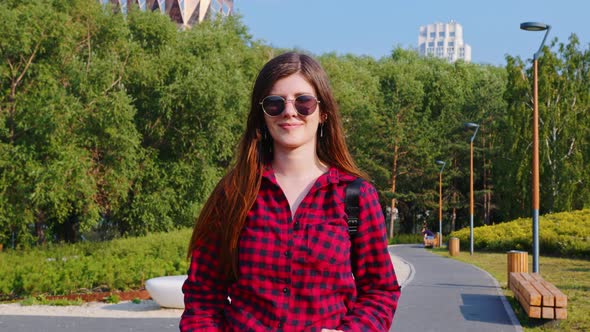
[290,107]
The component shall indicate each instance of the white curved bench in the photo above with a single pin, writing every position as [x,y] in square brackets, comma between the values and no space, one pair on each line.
[167,291]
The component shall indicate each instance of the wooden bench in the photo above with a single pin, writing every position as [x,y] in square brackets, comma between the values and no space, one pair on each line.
[538,297]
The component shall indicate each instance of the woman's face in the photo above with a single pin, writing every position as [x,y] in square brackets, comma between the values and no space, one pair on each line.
[291,130]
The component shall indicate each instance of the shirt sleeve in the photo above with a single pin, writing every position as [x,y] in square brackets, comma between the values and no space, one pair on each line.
[205,292]
[378,290]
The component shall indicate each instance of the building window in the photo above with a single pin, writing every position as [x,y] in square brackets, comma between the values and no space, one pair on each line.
[441,34]
[431,44]
[432,34]
[452,34]
[452,44]
[440,43]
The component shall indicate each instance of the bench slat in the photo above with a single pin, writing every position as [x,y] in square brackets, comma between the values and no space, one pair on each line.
[530,293]
[548,312]
[527,276]
[560,298]
[516,279]
[560,313]
[548,300]
[532,311]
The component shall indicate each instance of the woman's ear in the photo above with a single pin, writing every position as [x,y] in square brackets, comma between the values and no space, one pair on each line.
[324,117]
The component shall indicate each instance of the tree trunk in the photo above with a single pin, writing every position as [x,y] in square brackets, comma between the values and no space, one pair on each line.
[486,210]
[453,219]
[454,203]
[40,228]
[393,185]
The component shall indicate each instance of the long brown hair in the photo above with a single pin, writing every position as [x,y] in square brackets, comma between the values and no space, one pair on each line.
[224,214]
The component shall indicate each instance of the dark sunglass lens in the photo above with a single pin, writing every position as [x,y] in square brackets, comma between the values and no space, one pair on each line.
[273,105]
[305,105]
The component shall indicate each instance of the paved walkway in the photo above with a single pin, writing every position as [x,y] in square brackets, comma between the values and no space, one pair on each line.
[442,294]
[85,324]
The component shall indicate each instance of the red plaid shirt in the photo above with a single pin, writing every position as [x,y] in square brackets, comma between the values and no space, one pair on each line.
[296,273]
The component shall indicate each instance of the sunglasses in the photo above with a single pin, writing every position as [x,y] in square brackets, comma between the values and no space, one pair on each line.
[275,105]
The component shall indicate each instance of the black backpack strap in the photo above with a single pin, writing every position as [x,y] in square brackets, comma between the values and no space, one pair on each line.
[352,207]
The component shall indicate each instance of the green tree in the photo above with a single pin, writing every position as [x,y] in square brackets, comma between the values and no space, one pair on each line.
[191,92]
[68,121]
[563,104]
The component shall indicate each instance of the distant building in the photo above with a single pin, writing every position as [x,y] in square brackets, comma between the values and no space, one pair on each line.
[443,40]
[184,12]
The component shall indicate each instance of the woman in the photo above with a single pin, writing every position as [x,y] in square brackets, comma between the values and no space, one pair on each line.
[270,250]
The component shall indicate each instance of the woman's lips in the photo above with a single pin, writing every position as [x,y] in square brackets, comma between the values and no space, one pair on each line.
[289,125]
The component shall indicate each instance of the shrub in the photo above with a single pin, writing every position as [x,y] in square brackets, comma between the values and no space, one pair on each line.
[120,264]
[560,234]
[406,239]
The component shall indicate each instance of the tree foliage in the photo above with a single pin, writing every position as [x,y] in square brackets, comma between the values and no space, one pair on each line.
[564,105]
[115,125]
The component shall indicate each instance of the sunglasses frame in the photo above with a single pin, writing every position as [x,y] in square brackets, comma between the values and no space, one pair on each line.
[285,101]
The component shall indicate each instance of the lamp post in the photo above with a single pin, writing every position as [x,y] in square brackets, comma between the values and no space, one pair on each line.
[536,26]
[442,163]
[475,128]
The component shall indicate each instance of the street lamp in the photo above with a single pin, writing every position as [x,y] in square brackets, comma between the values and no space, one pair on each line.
[442,163]
[536,26]
[475,128]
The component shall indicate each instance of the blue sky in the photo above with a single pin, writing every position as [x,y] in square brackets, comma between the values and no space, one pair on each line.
[376,27]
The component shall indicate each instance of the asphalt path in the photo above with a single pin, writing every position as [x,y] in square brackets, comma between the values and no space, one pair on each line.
[85,324]
[443,294]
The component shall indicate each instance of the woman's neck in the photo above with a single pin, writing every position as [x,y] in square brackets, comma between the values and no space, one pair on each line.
[296,172]
[298,164]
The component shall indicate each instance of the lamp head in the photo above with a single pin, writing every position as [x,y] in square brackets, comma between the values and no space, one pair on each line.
[537,26]
[534,26]
[472,126]
[439,162]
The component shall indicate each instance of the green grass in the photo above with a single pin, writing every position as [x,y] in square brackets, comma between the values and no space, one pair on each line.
[571,276]
[41,300]
[113,299]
